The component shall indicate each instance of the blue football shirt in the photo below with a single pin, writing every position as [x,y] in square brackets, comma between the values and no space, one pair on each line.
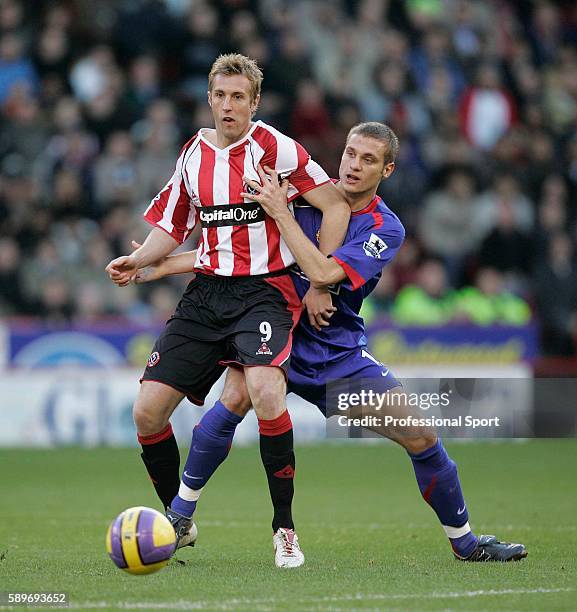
[374,236]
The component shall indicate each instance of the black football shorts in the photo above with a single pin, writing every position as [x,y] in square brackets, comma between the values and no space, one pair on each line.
[222,321]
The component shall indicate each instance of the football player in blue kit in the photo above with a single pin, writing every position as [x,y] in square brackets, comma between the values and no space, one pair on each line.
[332,346]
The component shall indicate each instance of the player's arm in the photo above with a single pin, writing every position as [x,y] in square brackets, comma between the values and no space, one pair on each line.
[158,244]
[336,216]
[166,212]
[320,270]
[181,263]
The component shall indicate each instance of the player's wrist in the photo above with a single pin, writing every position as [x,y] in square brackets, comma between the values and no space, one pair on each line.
[162,268]
[284,216]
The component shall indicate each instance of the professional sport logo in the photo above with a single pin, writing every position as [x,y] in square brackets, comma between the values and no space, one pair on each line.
[264,349]
[153,359]
[374,246]
[231,214]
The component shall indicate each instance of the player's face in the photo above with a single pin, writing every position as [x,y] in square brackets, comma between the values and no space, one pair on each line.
[363,165]
[232,107]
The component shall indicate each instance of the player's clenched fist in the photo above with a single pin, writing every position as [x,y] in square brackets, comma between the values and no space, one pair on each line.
[122,270]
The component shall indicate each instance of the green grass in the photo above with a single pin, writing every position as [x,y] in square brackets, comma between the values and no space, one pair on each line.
[369,539]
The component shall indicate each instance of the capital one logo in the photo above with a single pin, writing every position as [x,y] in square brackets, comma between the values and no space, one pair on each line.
[233,214]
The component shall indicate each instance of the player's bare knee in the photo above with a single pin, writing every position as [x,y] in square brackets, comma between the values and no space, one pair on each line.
[235,394]
[419,444]
[267,390]
[268,403]
[148,421]
[236,400]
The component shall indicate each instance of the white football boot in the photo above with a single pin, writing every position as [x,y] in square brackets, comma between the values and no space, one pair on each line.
[189,538]
[287,552]
[184,527]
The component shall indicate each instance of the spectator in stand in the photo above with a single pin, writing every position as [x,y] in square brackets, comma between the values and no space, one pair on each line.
[55,301]
[486,110]
[429,301]
[553,214]
[198,43]
[16,68]
[25,131]
[489,302]
[116,179]
[52,55]
[310,121]
[506,192]
[158,137]
[560,96]
[507,249]
[392,101]
[12,299]
[383,297]
[556,292]
[433,53]
[144,86]
[452,222]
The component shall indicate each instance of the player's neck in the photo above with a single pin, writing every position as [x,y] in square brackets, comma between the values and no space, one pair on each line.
[358,201]
[219,140]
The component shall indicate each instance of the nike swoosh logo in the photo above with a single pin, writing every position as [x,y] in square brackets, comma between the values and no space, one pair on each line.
[199,450]
[192,477]
[461,510]
[385,373]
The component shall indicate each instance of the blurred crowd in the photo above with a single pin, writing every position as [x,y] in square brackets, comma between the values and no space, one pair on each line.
[96,99]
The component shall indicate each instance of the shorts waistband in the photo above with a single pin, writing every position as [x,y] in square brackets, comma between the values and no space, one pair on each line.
[240,279]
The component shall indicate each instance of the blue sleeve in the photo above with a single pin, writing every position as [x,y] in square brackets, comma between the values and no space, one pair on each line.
[369,251]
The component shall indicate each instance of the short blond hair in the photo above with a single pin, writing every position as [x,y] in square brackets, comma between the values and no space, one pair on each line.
[235,63]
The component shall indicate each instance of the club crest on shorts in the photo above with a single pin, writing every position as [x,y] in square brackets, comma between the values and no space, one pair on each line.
[264,349]
[153,359]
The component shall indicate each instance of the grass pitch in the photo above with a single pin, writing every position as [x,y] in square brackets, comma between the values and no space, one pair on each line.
[369,539]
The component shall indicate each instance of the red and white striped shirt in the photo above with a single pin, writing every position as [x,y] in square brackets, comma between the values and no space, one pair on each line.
[238,238]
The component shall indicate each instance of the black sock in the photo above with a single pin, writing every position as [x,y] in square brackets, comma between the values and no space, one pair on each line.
[162,460]
[276,451]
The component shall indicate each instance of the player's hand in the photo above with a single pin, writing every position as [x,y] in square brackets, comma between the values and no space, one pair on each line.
[150,273]
[122,270]
[271,194]
[319,305]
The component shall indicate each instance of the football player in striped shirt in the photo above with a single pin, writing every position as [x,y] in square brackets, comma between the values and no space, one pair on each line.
[241,308]
[324,353]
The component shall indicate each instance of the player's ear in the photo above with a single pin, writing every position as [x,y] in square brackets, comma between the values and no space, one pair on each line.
[209,98]
[388,170]
[254,104]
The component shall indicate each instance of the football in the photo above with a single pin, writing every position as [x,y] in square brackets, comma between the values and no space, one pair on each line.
[140,540]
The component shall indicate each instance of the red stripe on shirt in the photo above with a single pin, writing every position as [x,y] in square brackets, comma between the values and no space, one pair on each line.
[239,237]
[378,220]
[356,279]
[268,144]
[205,194]
[155,212]
[181,214]
[370,207]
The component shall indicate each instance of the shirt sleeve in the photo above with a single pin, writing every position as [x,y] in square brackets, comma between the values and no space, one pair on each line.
[369,252]
[294,163]
[171,209]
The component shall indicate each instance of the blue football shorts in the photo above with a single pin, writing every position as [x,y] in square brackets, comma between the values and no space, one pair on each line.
[352,373]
